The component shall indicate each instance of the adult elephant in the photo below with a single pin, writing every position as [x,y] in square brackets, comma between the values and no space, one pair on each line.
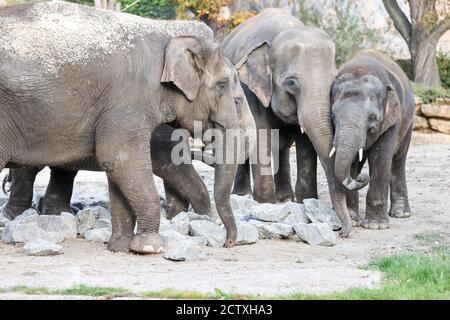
[69,92]
[287,69]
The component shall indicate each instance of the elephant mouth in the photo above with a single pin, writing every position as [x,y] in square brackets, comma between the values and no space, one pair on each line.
[286,118]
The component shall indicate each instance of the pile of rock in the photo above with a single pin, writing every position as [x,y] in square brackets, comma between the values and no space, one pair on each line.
[183,236]
[434,116]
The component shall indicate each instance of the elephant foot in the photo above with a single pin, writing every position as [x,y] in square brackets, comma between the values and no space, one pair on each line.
[242,190]
[147,243]
[284,195]
[11,211]
[264,198]
[120,243]
[356,218]
[399,213]
[374,224]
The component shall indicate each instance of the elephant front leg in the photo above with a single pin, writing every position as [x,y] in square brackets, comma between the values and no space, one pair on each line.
[59,192]
[353,196]
[263,182]
[282,179]
[122,220]
[242,185]
[21,196]
[380,162]
[306,185]
[399,193]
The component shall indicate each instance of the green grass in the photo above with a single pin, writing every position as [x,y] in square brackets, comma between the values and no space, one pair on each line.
[405,276]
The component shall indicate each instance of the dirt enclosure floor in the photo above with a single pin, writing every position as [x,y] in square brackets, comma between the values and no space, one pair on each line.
[267,267]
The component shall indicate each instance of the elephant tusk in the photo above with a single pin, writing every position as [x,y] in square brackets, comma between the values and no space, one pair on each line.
[360,154]
[333,150]
[302,130]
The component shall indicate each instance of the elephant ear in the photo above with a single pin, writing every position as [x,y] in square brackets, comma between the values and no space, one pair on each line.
[255,73]
[182,65]
[392,109]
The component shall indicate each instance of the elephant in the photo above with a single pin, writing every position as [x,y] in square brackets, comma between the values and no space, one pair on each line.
[372,111]
[70,94]
[286,70]
[182,183]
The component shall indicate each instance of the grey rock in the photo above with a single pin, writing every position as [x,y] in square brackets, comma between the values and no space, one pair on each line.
[39,247]
[103,223]
[28,216]
[316,234]
[65,224]
[247,233]
[200,241]
[272,230]
[239,202]
[269,212]
[15,232]
[243,214]
[3,220]
[168,236]
[195,216]
[215,234]
[296,213]
[55,237]
[98,235]
[319,212]
[180,217]
[87,218]
[181,227]
[183,249]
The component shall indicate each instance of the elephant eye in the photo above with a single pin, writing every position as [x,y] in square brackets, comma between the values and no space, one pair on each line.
[372,117]
[238,103]
[291,83]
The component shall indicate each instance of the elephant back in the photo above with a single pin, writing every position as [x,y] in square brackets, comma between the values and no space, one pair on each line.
[261,28]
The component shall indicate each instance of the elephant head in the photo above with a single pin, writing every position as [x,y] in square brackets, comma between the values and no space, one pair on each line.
[207,91]
[293,75]
[364,106]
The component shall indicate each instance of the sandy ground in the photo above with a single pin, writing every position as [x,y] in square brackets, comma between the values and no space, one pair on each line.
[268,267]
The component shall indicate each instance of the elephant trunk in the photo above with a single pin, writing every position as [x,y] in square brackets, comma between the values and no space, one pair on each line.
[348,143]
[315,118]
[224,173]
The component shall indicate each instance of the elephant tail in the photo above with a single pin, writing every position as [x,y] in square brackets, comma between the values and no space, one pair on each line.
[8,178]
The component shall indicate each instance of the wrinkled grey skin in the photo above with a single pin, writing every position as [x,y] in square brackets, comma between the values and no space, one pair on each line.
[287,70]
[108,107]
[372,108]
[182,183]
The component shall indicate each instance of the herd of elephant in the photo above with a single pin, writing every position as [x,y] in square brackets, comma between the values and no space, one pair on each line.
[87,100]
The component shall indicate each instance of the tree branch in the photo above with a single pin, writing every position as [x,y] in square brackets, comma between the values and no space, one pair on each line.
[401,22]
[441,28]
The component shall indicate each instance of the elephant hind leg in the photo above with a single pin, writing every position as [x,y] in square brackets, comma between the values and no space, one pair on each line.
[399,192]
[242,184]
[21,191]
[123,220]
[59,192]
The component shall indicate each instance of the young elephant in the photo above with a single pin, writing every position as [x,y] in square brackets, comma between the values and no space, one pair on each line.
[182,183]
[372,110]
[69,92]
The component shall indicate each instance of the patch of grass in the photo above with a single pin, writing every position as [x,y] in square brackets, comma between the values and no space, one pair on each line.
[176,294]
[406,276]
[82,290]
[430,94]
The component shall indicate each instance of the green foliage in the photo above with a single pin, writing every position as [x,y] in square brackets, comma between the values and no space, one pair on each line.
[348,29]
[157,9]
[443,61]
[430,94]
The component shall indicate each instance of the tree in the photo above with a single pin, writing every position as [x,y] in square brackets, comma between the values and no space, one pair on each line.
[421,32]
